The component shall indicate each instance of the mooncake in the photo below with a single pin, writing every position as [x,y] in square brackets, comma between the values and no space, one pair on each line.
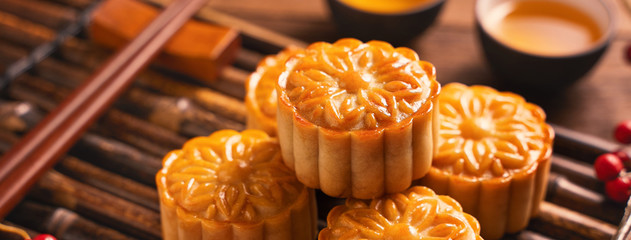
[356,119]
[233,185]
[417,213]
[493,156]
[260,99]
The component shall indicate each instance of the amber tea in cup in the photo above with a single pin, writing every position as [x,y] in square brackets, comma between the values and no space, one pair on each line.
[543,43]
[543,27]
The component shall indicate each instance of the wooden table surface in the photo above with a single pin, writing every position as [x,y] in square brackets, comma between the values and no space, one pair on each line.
[594,105]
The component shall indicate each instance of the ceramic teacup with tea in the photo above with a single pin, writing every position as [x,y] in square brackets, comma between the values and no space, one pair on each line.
[395,21]
[543,44]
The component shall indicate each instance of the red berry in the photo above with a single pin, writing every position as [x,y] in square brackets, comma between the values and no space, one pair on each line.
[623,132]
[44,237]
[619,189]
[608,166]
[624,157]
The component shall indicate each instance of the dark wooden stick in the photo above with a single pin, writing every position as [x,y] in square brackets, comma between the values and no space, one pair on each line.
[118,157]
[61,73]
[580,173]
[43,95]
[45,13]
[176,114]
[572,196]
[106,153]
[99,178]
[42,51]
[7,139]
[102,207]
[207,98]
[581,146]
[30,35]
[82,53]
[248,59]
[10,54]
[561,223]
[23,33]
[232,82]
[134,131]
[119,186]
[38,150]
[61,223]
[136,141]
[18,116]
[57,93]
[115,123]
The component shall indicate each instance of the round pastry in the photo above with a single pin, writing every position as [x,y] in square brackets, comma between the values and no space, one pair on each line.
[493,156]
[233,185]
[417,213]
[260,98]
[355,119]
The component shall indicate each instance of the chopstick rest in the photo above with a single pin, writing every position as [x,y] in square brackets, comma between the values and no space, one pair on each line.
[199,49]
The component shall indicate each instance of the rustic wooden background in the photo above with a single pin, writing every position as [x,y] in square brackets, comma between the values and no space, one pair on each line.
[105,186]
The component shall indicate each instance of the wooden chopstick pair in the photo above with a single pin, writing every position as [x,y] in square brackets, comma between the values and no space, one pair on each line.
[39,150]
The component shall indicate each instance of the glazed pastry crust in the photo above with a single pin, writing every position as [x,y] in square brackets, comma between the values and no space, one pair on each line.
[180,224]
[233,185]
[260,99]
[502,194]
[362,154]
[416,213]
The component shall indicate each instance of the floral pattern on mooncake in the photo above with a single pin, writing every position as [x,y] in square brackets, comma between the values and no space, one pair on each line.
[357,119]
[235,184]
[488,134]
[260,98]
[350,85]
[493,156]
[417,213]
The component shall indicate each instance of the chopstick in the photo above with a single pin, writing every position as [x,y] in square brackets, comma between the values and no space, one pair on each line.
[42,147]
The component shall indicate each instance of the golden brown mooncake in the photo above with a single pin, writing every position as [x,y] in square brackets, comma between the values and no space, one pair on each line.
[493,156]
[260,98]
[355,119]
[417,213]
[233,185]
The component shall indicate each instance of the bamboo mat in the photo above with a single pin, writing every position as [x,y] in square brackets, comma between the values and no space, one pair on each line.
[104,188]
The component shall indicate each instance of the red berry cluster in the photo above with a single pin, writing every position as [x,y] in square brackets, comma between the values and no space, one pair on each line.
[615,168]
